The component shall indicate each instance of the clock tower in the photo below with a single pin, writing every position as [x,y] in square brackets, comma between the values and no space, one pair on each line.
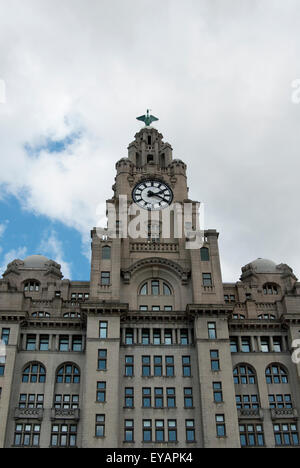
[149,287]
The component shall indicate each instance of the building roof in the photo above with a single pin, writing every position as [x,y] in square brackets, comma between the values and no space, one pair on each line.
[263,265]
[36,261]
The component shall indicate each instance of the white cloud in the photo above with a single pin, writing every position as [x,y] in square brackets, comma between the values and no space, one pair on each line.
[52,247]
[3,227]
[11,255]
[218,74]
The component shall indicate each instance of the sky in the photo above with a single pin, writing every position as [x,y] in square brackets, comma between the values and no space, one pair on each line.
[223,76]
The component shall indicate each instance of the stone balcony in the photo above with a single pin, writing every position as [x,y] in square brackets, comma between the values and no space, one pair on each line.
[62,413]
[284,413]
[29,413]
[250,414]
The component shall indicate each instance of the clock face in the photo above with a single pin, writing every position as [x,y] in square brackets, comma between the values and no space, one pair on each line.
[152,195]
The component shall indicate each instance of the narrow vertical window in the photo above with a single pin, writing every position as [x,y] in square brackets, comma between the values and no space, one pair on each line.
[212,331]
[103,326]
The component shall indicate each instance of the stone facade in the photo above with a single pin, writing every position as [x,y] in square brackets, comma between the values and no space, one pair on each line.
[155,350]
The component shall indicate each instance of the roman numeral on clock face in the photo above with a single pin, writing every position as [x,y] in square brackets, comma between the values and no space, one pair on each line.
[152,195]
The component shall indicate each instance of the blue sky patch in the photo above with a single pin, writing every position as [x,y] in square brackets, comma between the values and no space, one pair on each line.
[24,230]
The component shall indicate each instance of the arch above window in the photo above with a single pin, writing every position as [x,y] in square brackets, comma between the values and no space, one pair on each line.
[267,317]
[271,289]
[155,287]
[244,374]
[40,314]
[32,286]
[276,374]
[68,373]
[34,373]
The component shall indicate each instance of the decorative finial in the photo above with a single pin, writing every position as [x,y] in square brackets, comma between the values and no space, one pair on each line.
[148,119]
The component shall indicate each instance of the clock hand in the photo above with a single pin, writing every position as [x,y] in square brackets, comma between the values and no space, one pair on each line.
[158,196]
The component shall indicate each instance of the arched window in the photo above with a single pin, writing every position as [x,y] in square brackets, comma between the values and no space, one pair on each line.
[72,315]
[155,288]
[68,373]
[276,374]
[204,254]
[34,373]
[271,289]
[266,317]
[106,253]
[238,317]
[243,375]
[40,314]
[31,286]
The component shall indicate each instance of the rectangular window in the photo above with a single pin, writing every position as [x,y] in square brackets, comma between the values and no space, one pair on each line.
[218,394]
[27,435]
[184,337]
[129,336]
[147,430]
[170,366]
[252,435]
[168,337]
[246,345]
[158,398]
[188,397]
[159,430]
[129,366]
[186,366]
[5,335]
[105,278]
[77,343]
[144,307]
[103,327]
[247,402]
[101,392]
[171,398]
[31,401]
[146,366]
[157,366]
[280,401]
[156,337]
[212,331]
[44,342]
[190,430]
[234,345]
[31,343]
[220,425]
[207,279]
[155,288]
[129,397]
[172,430]
[214,361]
[63,435]
[129,430]
[63,343]
[277,344]
[100,425]
[146,397]
[286,435]
[145,336]
[102,359]
[265,345]
[66,401]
